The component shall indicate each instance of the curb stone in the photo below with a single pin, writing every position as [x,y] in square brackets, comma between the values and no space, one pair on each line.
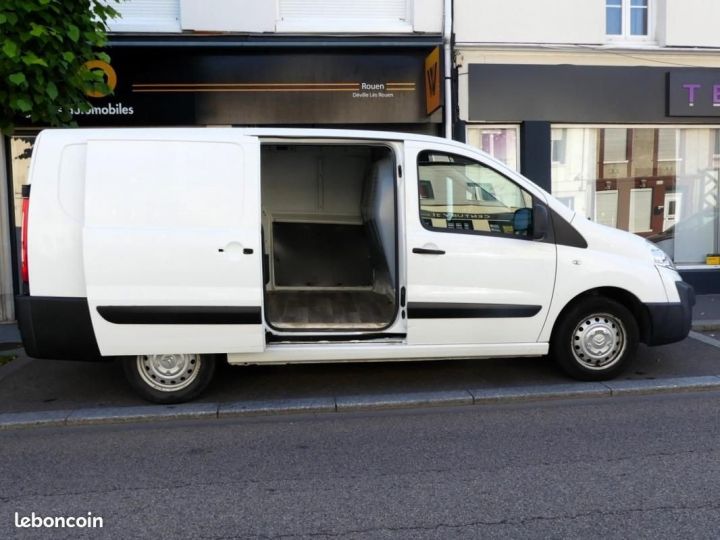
[143,413]
[33,419]
[705,325]
[396,401]
[281,406]
[540,392]
[339,404]
[656,386]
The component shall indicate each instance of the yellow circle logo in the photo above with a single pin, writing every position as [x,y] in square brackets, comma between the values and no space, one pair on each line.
[109,76]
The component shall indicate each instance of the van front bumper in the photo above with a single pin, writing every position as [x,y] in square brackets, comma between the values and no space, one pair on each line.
[669,323]
[57,328]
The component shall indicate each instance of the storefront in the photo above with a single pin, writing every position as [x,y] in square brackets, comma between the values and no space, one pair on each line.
[178,81]
[637,148]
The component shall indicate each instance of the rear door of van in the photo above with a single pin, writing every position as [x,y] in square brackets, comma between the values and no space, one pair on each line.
[171,242]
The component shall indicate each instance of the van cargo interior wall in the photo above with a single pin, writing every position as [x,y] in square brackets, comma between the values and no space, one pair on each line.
[300,255]
[329,230]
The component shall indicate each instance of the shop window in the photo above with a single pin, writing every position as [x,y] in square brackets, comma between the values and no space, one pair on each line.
[628,20]
[668,145]
[567,201]
[468,196]
[661,183]
[640,208]
[501,142]
[21,147]
[615,147]
[557,148]
[606,208]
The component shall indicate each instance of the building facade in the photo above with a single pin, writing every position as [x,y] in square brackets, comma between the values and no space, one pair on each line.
[312,63]
[612,105]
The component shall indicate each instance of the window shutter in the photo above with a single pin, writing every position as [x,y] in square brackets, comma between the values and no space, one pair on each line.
[387,10]
[147,16]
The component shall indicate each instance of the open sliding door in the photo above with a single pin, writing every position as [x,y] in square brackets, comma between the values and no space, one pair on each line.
[171,242]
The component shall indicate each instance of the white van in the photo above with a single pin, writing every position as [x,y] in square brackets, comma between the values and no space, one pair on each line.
[178,248]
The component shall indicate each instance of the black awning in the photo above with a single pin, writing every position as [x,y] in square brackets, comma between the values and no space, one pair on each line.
[234,41]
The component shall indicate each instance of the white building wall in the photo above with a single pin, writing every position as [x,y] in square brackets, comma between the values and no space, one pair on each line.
[530,21]
[689,23]
[427,16]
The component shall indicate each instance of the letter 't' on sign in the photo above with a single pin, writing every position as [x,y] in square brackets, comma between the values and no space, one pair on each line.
[432,81]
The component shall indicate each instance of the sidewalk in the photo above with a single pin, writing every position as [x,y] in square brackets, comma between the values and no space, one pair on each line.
[706,313]
[9,335]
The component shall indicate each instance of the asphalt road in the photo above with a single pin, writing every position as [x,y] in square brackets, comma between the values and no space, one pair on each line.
[642,467]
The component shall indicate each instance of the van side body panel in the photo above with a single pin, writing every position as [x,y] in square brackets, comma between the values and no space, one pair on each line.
[105,283]
[55,216]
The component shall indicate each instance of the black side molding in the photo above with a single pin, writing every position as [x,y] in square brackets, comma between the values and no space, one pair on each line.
[441,310]
[425,251]
[181,314]
[334,338]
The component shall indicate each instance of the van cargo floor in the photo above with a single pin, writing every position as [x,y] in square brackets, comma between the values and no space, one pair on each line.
[329,309]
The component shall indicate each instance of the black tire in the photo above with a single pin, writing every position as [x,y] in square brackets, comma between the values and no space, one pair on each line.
[595,339]
[181,378]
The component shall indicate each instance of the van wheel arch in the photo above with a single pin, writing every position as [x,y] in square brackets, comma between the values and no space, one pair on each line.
[595,337]
[626,298]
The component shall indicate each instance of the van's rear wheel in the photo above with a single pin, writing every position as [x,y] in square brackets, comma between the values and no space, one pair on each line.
[595,340]
[169,378]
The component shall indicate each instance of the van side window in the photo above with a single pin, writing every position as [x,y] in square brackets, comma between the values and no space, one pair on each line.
[460,194]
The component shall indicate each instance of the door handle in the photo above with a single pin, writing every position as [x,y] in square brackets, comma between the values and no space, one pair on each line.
[426,251]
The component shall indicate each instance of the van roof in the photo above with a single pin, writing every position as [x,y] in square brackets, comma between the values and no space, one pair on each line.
[344,133]
[291,133]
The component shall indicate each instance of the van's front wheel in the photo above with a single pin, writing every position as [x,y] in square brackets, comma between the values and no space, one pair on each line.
[169,378]
[595,340]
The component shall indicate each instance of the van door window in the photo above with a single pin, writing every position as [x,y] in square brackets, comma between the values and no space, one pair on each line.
[459,194]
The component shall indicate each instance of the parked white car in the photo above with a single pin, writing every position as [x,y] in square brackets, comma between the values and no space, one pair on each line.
[179,248]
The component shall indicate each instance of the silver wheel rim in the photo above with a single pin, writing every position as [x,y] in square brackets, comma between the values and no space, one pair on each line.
[599,341]
[169,372]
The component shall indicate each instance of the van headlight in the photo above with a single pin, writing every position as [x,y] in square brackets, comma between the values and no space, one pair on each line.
[660,258]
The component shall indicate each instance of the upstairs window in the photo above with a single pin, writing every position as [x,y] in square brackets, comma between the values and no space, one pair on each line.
[627,20]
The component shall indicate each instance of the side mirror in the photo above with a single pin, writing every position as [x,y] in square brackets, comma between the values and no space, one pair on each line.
[523,221]
[541,221]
